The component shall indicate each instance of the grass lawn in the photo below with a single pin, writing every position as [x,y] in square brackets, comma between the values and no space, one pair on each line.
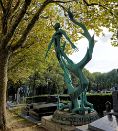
[16,123]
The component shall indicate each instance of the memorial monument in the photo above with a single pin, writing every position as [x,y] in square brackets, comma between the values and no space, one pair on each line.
[110,121]
[78,111]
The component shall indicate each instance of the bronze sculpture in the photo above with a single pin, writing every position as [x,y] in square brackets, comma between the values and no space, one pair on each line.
[81,106]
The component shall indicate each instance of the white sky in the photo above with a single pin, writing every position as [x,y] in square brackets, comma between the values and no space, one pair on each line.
[105,56]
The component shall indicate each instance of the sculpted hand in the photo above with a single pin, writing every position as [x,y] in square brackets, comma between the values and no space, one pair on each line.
[74,47]
[70,14]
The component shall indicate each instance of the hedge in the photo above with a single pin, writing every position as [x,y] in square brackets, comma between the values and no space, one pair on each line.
[98,100]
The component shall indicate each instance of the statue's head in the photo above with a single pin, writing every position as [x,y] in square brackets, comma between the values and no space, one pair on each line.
[57,26]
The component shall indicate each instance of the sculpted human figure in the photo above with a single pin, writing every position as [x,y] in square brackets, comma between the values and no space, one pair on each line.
[82,105]
[56,40]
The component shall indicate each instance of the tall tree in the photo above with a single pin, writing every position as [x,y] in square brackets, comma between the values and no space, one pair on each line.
[18,17]
[12,15]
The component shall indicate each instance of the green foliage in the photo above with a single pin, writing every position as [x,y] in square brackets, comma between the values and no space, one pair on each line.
[30,59]
[26,45]
[98,14]
[106,80]
[99,81]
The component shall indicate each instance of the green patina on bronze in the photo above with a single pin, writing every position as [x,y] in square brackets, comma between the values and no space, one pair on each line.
[66,118]
[76,106]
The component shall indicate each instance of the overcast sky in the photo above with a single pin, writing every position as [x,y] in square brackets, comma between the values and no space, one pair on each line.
[105,56]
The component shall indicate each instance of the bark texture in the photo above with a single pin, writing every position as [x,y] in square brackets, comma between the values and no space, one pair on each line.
[3,86]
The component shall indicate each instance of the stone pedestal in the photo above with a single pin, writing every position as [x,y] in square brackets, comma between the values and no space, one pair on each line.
[106,123]
[65,121]
[67,118]
[48,124]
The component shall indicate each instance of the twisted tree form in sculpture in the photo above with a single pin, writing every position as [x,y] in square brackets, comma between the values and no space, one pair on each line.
[82,105]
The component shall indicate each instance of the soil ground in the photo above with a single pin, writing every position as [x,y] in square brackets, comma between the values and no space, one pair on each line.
[16,123]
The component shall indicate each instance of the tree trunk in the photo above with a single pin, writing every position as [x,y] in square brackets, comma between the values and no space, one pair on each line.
[3,87]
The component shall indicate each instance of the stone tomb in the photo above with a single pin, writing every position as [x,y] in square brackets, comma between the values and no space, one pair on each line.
[110,121]
[37,110]
[106,123]
[67,118]
[50,125]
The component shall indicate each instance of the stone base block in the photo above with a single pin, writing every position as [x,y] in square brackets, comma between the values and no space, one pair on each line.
[67,118]
[48,124]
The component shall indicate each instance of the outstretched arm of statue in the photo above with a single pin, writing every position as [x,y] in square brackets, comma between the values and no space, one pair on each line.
[66,36]
[49,46]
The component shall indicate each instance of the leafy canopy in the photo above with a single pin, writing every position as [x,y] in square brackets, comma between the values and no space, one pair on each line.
[94,14]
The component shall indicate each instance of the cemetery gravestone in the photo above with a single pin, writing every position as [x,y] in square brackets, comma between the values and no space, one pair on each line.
[106,123]
[108,106]
[115,101]
[110,121]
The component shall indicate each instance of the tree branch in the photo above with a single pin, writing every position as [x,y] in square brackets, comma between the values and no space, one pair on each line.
[92,4]
[23,57]
[10,33]
[20,42]
[25,47]
[3,8]
[16,64]
[5,17]
[14,9]
[62,7]
[89,4]
[16,5]
[9,5]
[59,1]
